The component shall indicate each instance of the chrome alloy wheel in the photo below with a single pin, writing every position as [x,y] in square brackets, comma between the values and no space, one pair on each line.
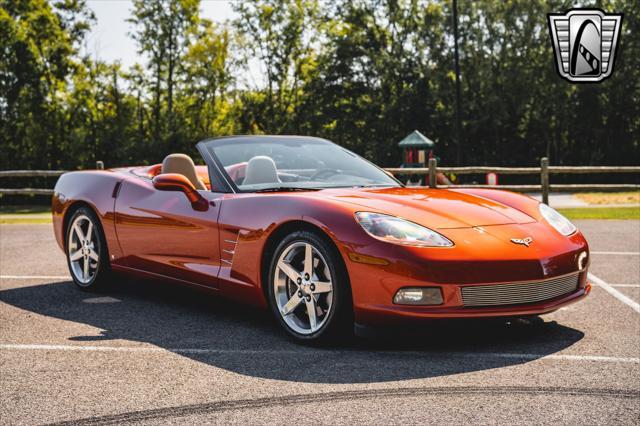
[83,250]
[302,287]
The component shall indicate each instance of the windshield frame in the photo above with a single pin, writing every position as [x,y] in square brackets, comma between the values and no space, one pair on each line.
[218,169]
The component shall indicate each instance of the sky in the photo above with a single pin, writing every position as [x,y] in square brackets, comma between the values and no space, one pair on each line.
[109,40]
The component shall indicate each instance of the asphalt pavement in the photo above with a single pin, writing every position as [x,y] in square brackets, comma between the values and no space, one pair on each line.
[147,352]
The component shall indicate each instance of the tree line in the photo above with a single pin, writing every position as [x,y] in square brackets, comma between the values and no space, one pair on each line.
[363,73]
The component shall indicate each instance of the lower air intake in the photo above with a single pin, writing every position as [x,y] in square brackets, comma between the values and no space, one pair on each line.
[519,293]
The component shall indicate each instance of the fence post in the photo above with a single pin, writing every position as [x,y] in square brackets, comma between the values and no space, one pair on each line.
[99,165]
[544,179]
[433,166]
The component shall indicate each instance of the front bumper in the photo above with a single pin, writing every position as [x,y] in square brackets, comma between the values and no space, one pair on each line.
[379,270]
[387,314]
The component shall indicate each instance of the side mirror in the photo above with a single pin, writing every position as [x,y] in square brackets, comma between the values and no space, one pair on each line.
[178,182]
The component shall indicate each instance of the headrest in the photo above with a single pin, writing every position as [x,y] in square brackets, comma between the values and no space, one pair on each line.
[261,169]
[182,164]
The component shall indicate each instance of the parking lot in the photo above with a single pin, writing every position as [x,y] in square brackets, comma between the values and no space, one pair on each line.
[148,352]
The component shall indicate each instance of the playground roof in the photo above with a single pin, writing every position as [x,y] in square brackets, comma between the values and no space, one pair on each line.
[416,140]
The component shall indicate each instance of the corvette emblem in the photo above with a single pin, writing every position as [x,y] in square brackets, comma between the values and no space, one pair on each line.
[584,42]
[524,241]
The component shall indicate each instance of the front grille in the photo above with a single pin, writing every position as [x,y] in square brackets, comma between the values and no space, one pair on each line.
[519,293]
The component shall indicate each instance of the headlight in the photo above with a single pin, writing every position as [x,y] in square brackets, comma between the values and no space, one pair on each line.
[555,219]
[399,231]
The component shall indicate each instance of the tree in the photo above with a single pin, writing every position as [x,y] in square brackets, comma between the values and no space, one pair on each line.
[208,79]
[38,42]
[162,28]
[281,35]
[377,78]
[363,73]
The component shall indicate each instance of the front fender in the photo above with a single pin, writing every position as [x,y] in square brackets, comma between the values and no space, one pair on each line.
[94,189]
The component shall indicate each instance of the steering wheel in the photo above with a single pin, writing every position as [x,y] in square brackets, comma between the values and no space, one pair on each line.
[323,172]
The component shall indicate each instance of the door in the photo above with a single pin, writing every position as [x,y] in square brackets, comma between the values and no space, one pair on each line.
[161,232]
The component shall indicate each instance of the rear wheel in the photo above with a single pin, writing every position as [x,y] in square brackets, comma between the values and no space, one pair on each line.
[308,291]
[86,250]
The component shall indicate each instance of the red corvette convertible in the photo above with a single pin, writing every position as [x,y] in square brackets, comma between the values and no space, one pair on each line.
[320,236]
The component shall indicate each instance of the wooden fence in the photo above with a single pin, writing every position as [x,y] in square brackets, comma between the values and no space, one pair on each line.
[544,171]
[35,173]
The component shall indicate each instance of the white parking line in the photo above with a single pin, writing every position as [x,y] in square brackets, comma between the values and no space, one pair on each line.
[625,285]
[615,293]
[154,349]
[35,277]
[620,253]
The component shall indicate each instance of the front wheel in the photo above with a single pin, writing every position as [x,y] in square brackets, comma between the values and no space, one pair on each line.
[308,289]
[86,250]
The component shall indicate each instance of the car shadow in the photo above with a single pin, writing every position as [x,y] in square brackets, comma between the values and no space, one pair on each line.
[248,341]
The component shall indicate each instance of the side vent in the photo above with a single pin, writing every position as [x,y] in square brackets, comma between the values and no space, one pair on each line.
[228,248]
[116,190]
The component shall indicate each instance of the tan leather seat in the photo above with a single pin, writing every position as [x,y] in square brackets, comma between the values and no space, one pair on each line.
[182,164]
[261,169]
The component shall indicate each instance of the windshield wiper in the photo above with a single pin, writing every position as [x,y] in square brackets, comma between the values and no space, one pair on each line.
[286,189]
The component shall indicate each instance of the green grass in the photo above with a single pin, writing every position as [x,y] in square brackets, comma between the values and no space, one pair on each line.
[602,213]
[24,214]
[17,217]
[23,221]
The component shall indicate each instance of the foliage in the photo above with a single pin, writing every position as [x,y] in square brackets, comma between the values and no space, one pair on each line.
[363,73]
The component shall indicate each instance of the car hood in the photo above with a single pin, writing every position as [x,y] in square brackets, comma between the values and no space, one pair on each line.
[434,208]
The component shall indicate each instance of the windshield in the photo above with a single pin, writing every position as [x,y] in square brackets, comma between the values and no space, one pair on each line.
[256,163]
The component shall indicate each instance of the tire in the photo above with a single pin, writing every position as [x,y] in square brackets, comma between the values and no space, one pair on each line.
[292,291]
[87,249]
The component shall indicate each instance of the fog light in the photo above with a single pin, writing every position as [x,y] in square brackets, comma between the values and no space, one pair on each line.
[418,296]
[583,261]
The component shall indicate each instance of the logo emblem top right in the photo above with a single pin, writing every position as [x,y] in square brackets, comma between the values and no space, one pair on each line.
[584,43]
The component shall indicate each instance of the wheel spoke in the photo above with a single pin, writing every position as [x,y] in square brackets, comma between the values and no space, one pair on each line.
[322,286]
[289,271]
[291,304]
[85,271]
[308,259]
[75,255]
[93,255]
[309,277]
[79,232]
[89,231]
[311,313]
